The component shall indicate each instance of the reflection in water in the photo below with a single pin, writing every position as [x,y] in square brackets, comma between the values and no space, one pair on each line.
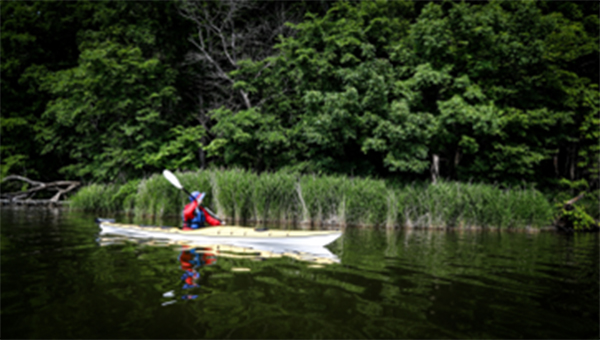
[193,256]
[191,260]
[319,256]
[389,284]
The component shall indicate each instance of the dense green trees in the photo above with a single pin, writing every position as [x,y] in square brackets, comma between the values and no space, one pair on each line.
[106,108]
[485,87]
[36,36]
[116,112]
[316,91]
[498,91]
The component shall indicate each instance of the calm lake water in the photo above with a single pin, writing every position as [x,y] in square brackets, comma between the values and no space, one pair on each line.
[60,279]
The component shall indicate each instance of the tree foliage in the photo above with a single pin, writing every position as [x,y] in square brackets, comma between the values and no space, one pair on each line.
[36,36]
[376,88]
[114,114]
[498,91]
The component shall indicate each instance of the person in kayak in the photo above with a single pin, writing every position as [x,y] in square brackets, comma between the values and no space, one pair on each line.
[195,216]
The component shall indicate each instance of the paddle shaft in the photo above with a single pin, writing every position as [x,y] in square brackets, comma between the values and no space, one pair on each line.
[188,193]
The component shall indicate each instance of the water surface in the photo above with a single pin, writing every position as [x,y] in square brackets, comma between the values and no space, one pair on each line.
[60,279]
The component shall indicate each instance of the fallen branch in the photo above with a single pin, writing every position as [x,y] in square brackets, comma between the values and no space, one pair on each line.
[574,199]
[62,187]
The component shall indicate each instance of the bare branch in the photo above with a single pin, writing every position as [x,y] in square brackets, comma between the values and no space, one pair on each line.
[229,31]
[21,178]
[574,199]
[206,56]
[63,191]
[38,186]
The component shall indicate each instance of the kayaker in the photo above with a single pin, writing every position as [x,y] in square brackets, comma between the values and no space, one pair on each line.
[195,216]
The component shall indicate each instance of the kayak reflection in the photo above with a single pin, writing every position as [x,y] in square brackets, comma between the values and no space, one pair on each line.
[248,250]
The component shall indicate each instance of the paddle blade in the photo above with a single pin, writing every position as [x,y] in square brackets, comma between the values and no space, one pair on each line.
[171,178]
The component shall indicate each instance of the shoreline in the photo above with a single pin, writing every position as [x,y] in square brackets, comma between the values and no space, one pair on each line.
[305,225]
[302,225]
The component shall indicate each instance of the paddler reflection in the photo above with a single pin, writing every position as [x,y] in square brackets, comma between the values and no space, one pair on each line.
[191,260]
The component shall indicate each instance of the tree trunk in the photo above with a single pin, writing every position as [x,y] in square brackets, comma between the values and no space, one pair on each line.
[573,157]
[202,153]
[435,168]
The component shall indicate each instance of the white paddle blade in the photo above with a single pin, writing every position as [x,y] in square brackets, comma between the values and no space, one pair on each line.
[171,178]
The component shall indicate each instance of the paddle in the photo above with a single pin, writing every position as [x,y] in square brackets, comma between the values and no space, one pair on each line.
[175,181]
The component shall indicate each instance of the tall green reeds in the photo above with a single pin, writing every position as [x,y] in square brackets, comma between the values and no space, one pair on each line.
[323,199]
[283,197]
[274,198]
[233,192]
[96,197]
[366,202]
[452,204]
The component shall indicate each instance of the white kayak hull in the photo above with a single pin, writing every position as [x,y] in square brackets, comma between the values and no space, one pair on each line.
[227,235]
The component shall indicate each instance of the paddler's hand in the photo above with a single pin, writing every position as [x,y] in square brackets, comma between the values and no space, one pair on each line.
[223,223]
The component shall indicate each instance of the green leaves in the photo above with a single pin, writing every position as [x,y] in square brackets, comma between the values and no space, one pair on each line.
[503,91]
[36,37]
[248,137]
[361,87]
[113,101]
[180,149]
[403,138]
[340,85]
[111,114]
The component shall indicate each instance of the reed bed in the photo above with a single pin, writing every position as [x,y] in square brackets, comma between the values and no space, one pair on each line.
[242,196]
[97,197]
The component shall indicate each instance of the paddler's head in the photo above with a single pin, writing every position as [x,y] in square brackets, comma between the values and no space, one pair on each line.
[194,196]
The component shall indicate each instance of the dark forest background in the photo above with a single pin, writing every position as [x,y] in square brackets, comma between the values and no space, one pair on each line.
[494,91]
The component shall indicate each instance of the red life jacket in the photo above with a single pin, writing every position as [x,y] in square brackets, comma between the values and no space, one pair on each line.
[195,216]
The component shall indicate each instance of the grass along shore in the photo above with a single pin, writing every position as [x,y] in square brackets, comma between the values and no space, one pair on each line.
[243,196]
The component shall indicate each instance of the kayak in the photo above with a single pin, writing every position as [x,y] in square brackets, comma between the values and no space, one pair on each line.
[226,234]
